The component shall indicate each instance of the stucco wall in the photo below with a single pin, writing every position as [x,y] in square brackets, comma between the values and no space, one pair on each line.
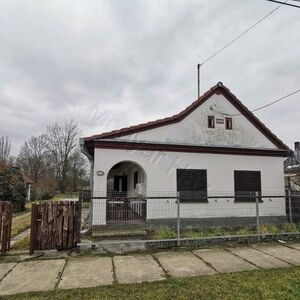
[160,169]
[193,129]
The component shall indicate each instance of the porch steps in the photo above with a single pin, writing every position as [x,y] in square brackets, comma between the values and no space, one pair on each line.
[116,232]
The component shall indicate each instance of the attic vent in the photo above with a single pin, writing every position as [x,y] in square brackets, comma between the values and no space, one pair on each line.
[211,122]
[228,123]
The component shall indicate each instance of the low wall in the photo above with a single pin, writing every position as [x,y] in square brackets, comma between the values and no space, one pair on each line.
[206,223]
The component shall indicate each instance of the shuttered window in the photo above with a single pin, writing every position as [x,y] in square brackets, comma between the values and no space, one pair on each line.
[192,185]
[246,185]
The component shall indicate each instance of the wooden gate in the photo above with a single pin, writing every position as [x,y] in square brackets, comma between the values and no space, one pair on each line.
[6,210]
[126,210]
[55,225]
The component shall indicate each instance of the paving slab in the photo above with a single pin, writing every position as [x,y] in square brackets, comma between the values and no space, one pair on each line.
[137,268]
[284,253]
[5,268]
[32,276]
[223,261]
[183,264]
[294,246]
[87,272]
[258,258]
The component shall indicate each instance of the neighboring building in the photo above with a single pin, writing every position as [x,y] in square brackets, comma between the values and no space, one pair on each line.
[292,170]
[28,182]
[26,179]
[215,147]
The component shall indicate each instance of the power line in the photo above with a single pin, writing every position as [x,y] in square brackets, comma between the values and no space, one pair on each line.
[284,3]
[264,106]
[241,34]
[233,41]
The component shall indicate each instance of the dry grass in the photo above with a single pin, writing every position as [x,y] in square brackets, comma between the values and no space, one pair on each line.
[21,244]
[20,223]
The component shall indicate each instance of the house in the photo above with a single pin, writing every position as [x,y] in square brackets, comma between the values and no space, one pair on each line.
[292,170]
[215,147]
[26,179]
[28,182]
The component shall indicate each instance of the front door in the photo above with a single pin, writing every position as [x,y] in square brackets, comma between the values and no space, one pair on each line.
[120,184]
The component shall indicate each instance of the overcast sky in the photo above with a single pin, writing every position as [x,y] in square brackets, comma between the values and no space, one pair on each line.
[110,64]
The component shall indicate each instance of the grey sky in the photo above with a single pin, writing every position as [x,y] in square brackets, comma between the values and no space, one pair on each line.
[110,64]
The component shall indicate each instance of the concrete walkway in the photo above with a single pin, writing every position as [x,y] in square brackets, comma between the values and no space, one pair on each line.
[20,236]
[90,271]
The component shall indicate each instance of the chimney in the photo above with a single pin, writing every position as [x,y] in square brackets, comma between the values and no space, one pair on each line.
[297,146]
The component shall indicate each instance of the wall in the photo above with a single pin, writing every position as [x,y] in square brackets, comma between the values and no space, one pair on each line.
[193,129]
[160,169]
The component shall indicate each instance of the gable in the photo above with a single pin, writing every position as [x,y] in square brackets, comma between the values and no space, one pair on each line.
[193,129]
[189,127]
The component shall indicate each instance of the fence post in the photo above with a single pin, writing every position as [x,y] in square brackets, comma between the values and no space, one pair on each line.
[33,228]
[178,219]
[290,206]
[257,214]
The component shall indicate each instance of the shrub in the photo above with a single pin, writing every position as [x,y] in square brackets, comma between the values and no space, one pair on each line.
[269,229]
[164,233]
[244,231]
[194,234]
[47,196]
[12,188]
[291,227]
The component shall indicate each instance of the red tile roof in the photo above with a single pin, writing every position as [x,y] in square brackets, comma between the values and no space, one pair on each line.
[27,179]
[219,88]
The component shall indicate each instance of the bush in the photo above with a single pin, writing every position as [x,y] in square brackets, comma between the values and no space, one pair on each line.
[291,227]
[164,233]
[47,196]
[12,188]
[244,231]
[269,229]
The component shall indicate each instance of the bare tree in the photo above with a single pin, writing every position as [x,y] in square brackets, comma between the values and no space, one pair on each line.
[78,170]
[34,158]
[62,140]
[4,148]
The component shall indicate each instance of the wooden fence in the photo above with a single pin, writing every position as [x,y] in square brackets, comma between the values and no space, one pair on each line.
[6,211]
[55,225]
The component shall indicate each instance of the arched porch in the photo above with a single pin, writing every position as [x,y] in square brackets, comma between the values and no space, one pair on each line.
[126,188]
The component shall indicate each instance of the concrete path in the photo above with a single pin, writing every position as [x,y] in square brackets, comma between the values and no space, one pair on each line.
[89,271]
[20,236]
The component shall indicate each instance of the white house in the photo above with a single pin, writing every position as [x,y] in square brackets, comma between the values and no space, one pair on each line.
[215,147]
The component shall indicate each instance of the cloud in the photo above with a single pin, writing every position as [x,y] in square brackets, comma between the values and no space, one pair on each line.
[109,64]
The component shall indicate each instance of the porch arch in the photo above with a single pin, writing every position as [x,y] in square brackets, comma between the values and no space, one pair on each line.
[127,178]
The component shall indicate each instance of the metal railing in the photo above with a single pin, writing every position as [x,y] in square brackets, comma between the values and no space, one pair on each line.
[169,216]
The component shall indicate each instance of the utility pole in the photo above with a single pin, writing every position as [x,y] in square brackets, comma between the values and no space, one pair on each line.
[198,70]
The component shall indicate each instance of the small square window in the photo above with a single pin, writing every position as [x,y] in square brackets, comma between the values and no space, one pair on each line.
[228,123]
[211,122]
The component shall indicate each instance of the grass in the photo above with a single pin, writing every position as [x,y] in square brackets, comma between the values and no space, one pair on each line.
[261,284]
[166,233]
[21,244]
[73,195]
[20,223]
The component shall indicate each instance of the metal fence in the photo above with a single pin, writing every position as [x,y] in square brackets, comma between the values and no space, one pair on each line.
[169,216]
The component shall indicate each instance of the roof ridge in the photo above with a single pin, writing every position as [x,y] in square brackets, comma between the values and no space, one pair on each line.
[181,115]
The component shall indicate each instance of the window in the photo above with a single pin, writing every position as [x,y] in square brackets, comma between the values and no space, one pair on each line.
[228,123]
[246,185]
[192,185]
[135,179]
[211,122]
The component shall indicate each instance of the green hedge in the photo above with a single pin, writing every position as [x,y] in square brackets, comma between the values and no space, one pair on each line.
[12,188]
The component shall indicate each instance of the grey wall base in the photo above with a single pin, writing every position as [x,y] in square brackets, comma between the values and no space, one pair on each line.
[206,223]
